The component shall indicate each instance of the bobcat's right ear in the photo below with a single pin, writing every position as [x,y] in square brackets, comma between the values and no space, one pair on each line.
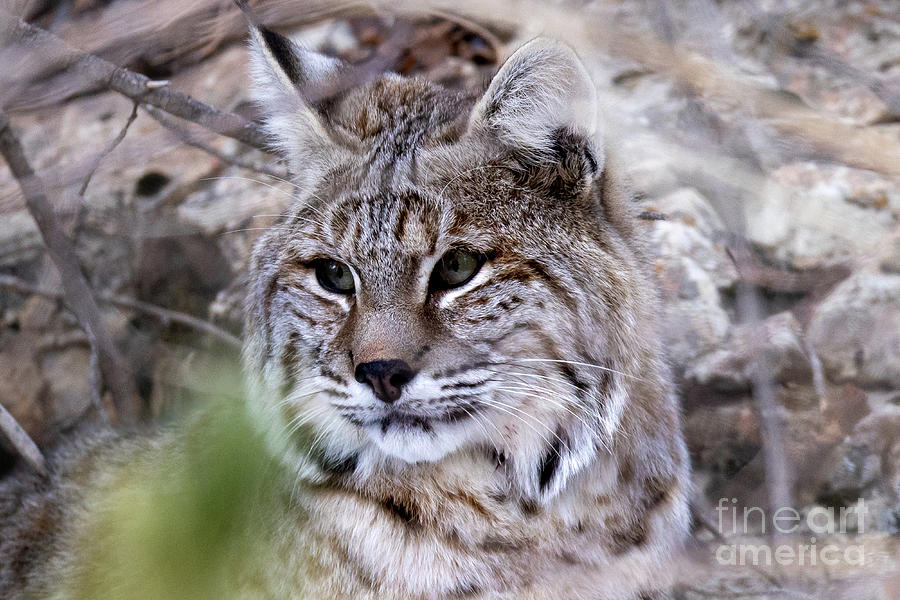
[285,76]
[541,90]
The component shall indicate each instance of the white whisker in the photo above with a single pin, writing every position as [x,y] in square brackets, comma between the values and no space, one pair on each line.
[580,364]
[268,185]
[493,402]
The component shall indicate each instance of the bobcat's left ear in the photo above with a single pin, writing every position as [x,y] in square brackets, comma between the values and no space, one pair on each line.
[285,76]
[541,91]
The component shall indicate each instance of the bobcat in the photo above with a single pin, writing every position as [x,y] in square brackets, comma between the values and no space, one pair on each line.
[450,352]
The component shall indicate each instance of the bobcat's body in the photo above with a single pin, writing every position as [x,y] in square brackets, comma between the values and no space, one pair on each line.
[532,448]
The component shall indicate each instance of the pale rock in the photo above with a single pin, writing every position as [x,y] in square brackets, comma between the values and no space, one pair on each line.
[856,330]
[813,216]
[693,229]
[66,372]
[22,388]
[691,269]
[20,239]
[774,344]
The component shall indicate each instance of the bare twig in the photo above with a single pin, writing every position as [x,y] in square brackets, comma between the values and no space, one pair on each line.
[134,85]
[383,59]
[777,470]
[752,270]
[169,316]
[163,314]
[95,382]
[108,150]
[190,139]
[20,439]
[78,294]
[814,284]
[734,592]
[700,519]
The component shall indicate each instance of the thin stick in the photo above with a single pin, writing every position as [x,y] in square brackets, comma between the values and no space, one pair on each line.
[95,382]
[134,85]
[163,314]
[777,470]
[22,442]
[78,295]
[191,140]
[112,146]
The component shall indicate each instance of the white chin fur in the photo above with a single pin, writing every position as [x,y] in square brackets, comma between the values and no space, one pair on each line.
[413,445]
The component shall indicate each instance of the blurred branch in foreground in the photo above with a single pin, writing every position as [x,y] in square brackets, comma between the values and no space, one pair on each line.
[20,440]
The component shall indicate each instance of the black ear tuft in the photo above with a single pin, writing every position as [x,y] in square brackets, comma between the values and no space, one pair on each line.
[575,155]
[542,88]
[284,53]
[567,170]
[285,75]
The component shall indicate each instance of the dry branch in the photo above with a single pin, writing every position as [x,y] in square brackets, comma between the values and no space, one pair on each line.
[139,88]
[112,146]
[173,35]
[78,294]
[163,314]
[778,476]
[191,140]
[20,439]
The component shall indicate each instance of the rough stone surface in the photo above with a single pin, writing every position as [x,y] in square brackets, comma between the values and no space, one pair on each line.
[817,216]
[774,345]
[692,267]
[856,330]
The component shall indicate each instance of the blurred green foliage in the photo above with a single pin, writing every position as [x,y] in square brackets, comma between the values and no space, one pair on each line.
[184,518]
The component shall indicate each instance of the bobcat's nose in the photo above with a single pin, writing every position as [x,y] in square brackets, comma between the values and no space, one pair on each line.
[385,377]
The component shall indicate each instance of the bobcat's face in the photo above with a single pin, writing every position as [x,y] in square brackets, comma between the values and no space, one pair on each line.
[450,277]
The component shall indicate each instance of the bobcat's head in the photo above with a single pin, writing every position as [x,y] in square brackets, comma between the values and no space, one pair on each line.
[455,274]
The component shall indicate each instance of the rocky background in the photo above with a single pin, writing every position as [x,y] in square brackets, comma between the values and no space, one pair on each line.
[763,140]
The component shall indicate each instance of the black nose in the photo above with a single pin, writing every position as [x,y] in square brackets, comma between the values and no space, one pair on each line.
[385,377]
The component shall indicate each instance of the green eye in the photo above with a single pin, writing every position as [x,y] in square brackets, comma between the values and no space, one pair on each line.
[455,268]
[334,276]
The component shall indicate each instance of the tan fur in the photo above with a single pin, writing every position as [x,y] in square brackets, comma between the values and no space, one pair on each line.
[537,451]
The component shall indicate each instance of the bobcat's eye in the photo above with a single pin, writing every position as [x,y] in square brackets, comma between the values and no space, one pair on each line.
[455,268]
[334,276]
